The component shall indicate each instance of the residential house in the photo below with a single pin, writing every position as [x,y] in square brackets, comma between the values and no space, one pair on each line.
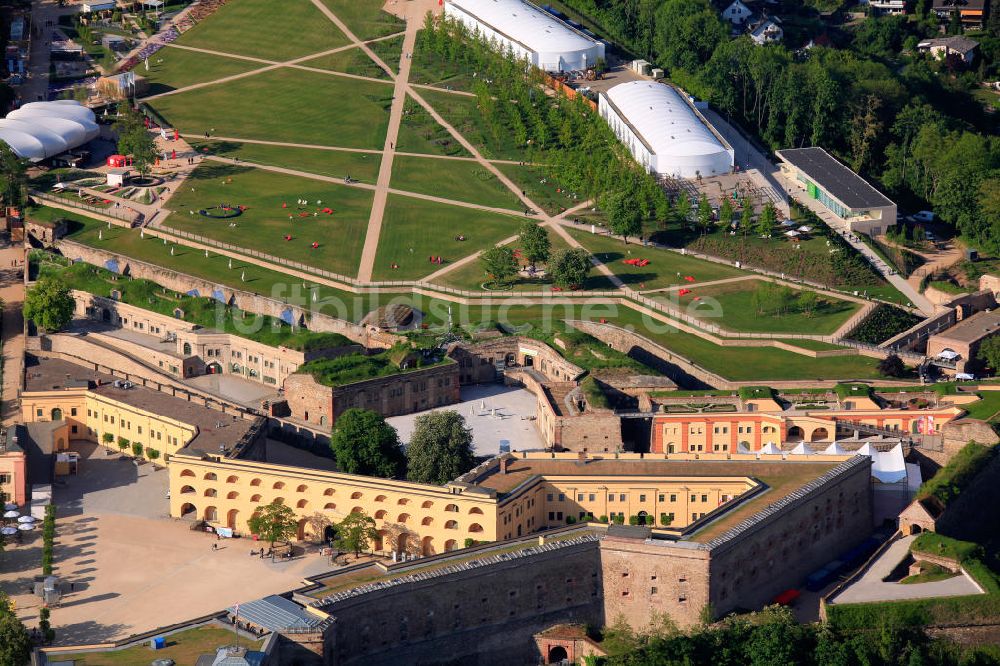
[766,31]
[737,13]
[942,47]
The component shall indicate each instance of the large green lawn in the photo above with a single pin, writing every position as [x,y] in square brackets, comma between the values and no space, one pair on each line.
[452,179]
[335,163]
[365,18]
[542,188]
[429,229]
[734,302]
[266,29]
[171,68]
[264,224]
[355,61]
[665,269]
[420,133]
[986,408]
[286,105]
[461,112]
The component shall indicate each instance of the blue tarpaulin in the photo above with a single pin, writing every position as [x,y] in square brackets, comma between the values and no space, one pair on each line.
[218,295]
[286,316]
[112,265]
[193,292]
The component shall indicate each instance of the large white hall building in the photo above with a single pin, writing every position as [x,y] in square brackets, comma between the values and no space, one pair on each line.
[664,131]
[39,130]
[530,32]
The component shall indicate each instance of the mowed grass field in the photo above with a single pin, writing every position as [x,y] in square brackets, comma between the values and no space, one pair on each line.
[460,180]
[173,68]
[285,105]
[739,315]
[429,229]
[355,61]
[665,268]
[365,18]
[278,31]
[264,224]
[335,163]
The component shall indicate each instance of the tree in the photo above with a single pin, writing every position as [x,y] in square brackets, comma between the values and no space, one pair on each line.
[15,643]
[318,522]
[892,366]
[569,267]
[624,214]
[682,207]
[137,449]
[807,301]
[440,448]
[13,177]
[274,522]
[746,214]
[726,212]
[534,242]
[152,454]
[499,264]
[49,304]
[355,533]
[122,442]
[363,443]
[989,353]
[136,141]
[767,219]
[704,214]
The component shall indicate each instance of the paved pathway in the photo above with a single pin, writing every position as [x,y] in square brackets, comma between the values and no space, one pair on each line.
[12,259]
[871,587]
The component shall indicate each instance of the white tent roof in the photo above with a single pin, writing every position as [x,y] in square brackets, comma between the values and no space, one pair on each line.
[889,467]
[948,354]
[801,450]
[39,130]
[834,450]
[525,23]
[770,448]
[664,119]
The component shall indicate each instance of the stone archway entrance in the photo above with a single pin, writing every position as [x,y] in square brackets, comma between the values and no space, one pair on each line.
[329,534]
[188,511]
[231,518]
[427,546]
[56,414]
[820,435]
[557,655]
[402,541]
[214,369]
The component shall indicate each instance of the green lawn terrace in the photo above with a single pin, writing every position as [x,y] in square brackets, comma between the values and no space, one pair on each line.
[666,268]
[277,31]
[735,302]
[365,18]
[458,180]
[204,311]
[414,230]
[285,105]
[329,162]
[173,68]
[420,133]
[353,368]
[355,61]
[184,647]
[271,214]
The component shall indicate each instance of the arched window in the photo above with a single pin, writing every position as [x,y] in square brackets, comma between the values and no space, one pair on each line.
[357,509]
[233,479]
[210,477]
[301,504]
[329,505]
[380,498]
[475,527]
[279,500]
[380,514]
[427,504]
[233,495]
[355,495]
[255,482]
[449,545]
[187,472]
[255,498]
[452,507]
[328,492]
[211,514]
[278,485]
[187,490]
[402,518]
[451,525]
[427,521]
[187,349]
[476,509]
[322,420]
[402,501]
[210,492]
[302,488]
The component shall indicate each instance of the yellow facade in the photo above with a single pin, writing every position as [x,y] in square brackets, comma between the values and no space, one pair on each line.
[90,416]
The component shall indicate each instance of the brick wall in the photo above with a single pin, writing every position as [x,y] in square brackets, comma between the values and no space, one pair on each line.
[405,393]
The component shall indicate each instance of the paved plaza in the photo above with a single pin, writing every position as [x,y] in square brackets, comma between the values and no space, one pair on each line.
[131,568]
[512,419]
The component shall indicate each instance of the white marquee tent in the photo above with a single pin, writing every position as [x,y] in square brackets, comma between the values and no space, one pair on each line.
[39,130]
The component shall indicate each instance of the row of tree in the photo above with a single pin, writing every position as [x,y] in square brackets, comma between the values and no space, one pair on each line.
[889,116]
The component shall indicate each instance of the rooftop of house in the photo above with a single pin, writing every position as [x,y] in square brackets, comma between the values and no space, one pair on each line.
[960,5]
[953,42]
[51,374]
[972,329]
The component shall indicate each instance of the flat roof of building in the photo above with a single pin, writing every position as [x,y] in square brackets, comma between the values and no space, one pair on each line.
[976,327]
[846,186]
[52,374]
[528,25]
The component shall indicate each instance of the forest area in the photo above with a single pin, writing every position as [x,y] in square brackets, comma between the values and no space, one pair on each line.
[903,120]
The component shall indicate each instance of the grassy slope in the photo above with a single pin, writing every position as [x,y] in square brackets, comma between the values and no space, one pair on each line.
[452,179]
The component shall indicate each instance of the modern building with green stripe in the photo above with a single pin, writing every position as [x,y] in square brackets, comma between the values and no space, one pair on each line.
[841,191]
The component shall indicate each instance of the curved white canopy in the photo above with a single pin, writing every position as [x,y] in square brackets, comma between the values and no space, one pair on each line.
[523,22]
[664,119]
[39,130]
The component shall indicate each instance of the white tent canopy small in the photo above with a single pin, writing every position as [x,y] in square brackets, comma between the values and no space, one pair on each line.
[835,450]
[792,234]
[770,448]
[948,354]
[801,450]
[742,448]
